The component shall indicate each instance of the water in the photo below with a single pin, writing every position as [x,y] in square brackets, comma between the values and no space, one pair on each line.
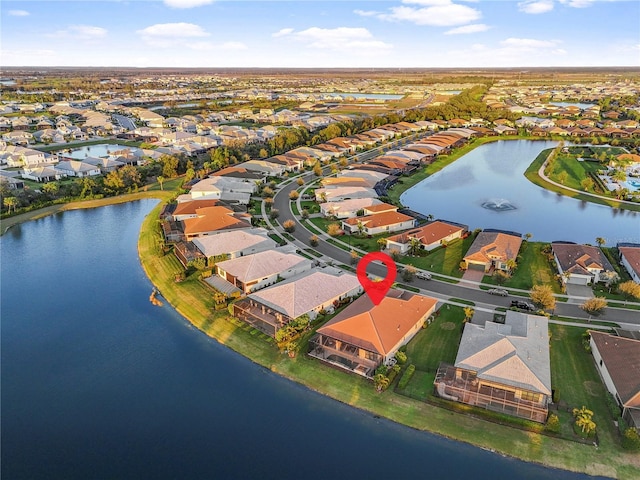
[98,383]
[492,174]
[99,150]
[581,105]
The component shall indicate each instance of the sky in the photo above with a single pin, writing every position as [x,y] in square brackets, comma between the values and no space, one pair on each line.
[320,34]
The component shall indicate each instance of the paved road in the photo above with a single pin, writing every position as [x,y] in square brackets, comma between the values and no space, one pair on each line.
[438,289]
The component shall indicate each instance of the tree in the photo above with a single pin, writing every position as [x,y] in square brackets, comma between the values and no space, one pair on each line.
[381,382]
[600,241]
[511,264]
[527,236]
[169,166]
[289,226]
[500,277]
[468,313]
[542,296]
[274,213]
[313,240]
[50,188]
[267,192]
[361,228]
[353,257]
[562,177]
[609,278]
[317,169]
[160,181]
[619,176]
[300,182]
[408,273]
[415,245]
[304,213]
[333,229]
[293,195]
[594,306]
[630,290]
[584,420]
[10,202]
[586,184]
[382,243]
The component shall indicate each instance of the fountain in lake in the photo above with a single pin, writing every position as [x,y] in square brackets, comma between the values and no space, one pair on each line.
[498,205]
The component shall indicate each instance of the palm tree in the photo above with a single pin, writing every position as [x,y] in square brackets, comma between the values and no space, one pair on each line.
[361,228]
[160,181]
[600,241]
[414,245]
[511,264]
[527,236]
[468,313]
[10,202]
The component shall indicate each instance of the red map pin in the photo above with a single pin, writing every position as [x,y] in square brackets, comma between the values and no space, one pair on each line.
[376,290]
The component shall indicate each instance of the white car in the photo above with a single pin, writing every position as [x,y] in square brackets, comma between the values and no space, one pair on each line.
[498,291]
[423,275]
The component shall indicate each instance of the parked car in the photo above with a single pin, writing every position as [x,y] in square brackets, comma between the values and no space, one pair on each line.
[498,291]
[523,305]
[423,275]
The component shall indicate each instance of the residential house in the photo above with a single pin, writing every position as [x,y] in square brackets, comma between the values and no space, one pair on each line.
[580,264]
[263,167]
[630,259]
[493,249]
[347,208]
[502,367]
[223,188]
[618,361]
[189,208]
[432,235]
[253,272]
[235,243]
[336,194]
[364,336]
[386,222]
[77,168]
[213,220]
[42,174]
[319,289]
[105,165]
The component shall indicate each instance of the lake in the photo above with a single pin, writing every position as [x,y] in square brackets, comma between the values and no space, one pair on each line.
[486,188]
[581,105]
[98,150]
[98,383]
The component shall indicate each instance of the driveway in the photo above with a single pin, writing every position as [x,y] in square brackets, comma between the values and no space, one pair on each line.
[578,291]
[473,276]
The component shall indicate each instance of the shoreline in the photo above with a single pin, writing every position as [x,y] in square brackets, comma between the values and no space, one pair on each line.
[411,413]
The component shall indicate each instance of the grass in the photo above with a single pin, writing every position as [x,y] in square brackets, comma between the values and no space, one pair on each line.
[533,269]
[192,299]
[532,174]
[577,171]
[438,342]
[444,260]
[312,207]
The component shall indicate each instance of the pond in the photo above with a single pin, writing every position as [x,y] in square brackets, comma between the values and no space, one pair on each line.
[99,150]
[581,105]
[99,383]
[486,188]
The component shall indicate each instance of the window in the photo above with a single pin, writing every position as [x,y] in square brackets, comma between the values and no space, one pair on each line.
[530,396]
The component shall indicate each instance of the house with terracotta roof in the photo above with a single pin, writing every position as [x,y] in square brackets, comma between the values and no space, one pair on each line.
[363,336]
[618,361]
[493,249]
[502,367]
[235,243]
[318,289]
[430,236]
[385,222]
[630,259]
[253,272]
[580,264]
[212,220]
[189,208]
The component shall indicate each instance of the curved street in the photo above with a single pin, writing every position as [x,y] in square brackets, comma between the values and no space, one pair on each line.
[441,290]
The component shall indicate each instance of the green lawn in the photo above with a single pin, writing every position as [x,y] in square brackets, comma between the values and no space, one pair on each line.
[533,269]
[574,376]
[445,260]
[577,171]
[312,207]
[438,342]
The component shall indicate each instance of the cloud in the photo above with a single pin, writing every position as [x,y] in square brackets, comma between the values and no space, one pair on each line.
[341,38]
[578,3]
[473,28]
[435,13]
[282,32]
[18,13]
[535,7]
[528,43]
[82,32]
[366,13]
[186,3]
[173,30]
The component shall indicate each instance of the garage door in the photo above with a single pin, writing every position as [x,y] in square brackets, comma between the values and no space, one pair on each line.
[476,266]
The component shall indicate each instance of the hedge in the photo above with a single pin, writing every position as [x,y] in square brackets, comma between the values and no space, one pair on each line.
[408,373]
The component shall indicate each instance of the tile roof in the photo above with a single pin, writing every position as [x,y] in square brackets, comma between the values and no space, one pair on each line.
[516,353]
[303,293]
[622,359]
[632,254]
[380,219]
[379,328]
[190,207]
[431,233]
[215,218]
[262,264]
[577,259]
[234,241]
[494,245]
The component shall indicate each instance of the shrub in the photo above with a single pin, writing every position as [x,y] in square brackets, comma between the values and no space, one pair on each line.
[406,376]
[382,370]
[612,405]
[631,439]
[304,213]
[401,357]
[273,214]
[553,424]
[556,395]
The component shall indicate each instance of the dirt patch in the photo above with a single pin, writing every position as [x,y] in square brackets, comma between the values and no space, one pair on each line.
[448,326]
[591,388]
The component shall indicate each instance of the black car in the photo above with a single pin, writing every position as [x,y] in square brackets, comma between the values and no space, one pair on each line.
[523,305]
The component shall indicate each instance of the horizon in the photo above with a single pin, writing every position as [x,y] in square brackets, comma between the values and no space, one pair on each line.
[315,35]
